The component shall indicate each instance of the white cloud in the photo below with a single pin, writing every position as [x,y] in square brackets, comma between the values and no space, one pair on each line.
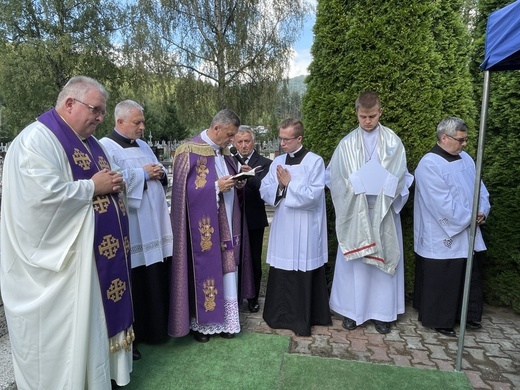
[301,60]
[301,55]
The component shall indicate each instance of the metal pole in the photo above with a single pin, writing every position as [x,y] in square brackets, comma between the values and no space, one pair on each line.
[474,212]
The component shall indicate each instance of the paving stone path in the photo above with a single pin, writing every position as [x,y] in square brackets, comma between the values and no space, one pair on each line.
[491,358]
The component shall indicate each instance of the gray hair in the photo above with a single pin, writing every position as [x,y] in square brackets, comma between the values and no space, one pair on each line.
[124,108]
[226,117]
[242,129]
[450,126]
[77,87]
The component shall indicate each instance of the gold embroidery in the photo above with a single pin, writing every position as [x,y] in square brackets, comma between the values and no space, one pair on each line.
[205,230]
[121,203]
[103,163]
[202,149]
[202,172]
[101,203]
[209,291]
[81,159]
[117,290]
[109,246]
[126,244]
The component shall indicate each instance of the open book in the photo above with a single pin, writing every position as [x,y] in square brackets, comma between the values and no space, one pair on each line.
[246,175]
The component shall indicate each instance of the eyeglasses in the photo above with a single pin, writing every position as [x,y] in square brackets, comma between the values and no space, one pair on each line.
[285,140]
[461,140]
[94,110]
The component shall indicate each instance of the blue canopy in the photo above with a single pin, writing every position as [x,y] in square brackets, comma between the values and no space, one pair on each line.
[502,50]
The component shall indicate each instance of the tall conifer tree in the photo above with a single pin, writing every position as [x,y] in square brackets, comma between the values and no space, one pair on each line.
[413,53]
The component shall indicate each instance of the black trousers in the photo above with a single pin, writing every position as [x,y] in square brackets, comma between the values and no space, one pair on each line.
[256,241]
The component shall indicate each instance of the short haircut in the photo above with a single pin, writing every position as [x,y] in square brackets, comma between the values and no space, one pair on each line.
[124,108]
[246,129]
[368,99]
[295,123]
[77,87]
[450,126]
[226,117]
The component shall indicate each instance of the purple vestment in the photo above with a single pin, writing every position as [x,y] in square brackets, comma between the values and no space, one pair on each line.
[111,236]
[203,248]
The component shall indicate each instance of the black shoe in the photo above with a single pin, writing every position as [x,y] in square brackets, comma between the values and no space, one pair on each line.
[349,324]
[382,327]
[446,332]
[473,325]
[136,355]
[200,337]
[253,305]
[227,335]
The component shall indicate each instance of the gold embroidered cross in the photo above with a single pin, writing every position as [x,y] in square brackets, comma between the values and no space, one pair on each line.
[109,246]
[81,159]
[101,203]
[206,230]
[103,163]
[210,292]
[117,290]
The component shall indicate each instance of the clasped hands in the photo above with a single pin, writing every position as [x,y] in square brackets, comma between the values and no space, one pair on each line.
[154,171]
[283,175]
[107,181]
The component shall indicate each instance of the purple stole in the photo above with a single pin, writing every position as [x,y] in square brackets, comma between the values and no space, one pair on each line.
[213,251]
[111,235]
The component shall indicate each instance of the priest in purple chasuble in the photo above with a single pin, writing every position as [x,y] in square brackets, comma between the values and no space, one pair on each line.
[369,185]
[65,250]
[208,239]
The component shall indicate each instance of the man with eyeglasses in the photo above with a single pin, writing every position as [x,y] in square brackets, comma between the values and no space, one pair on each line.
[445,179]
[64,248]
[151,235]
[369,185]
[296,296]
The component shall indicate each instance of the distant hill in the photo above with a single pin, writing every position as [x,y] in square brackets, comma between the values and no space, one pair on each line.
[297,84]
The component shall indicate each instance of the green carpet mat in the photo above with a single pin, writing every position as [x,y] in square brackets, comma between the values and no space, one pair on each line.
[249,361]
[311,372]
[260,361]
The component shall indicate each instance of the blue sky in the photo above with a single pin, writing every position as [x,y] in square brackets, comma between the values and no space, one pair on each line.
[302,49]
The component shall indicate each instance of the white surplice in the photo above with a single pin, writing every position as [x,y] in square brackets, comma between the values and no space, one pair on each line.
[298,233]
[442,207]
[48,274]
[151,236]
